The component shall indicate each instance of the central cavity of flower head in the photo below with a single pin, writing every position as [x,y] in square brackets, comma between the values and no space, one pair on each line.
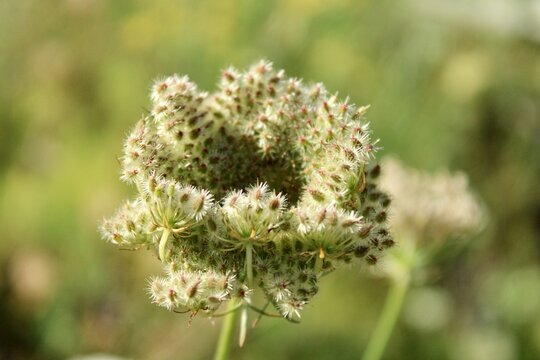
[267,181]
[244,133]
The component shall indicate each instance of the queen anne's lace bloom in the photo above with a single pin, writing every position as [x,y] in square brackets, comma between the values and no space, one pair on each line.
[430,207]
[267,182]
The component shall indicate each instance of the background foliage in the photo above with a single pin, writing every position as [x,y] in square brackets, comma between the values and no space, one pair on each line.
[451,84]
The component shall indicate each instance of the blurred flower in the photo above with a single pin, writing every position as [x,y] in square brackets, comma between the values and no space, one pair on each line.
[427,210]
[430,207]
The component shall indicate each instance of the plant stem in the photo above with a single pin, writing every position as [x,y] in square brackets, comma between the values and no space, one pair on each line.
[243,325]
[388,318]
[163,243]
[226,334]
[249,264]
[319,261]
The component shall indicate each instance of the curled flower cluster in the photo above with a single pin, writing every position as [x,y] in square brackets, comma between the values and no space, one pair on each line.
[265,183]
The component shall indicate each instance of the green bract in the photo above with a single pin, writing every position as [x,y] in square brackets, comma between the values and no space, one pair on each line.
[265,183]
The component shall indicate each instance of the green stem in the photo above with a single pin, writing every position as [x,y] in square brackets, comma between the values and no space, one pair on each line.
[319,260]
[249,264]
[163,243]
[227,330]
[243,325]
[387,320]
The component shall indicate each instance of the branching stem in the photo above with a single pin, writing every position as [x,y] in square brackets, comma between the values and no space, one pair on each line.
[227,330]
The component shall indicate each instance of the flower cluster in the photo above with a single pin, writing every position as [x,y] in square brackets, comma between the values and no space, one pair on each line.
[431,207]
[267,183]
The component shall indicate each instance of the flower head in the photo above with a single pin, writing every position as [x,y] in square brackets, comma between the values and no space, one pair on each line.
[267,182]
[430,206]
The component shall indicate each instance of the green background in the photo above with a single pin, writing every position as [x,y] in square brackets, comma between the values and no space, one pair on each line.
[452,84]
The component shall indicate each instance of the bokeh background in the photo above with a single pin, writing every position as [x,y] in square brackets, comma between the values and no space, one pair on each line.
[452,84]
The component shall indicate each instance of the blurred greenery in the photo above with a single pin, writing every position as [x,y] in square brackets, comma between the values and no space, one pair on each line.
[452,84]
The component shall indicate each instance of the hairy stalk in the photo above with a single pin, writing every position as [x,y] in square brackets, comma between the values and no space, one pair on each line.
[227,329]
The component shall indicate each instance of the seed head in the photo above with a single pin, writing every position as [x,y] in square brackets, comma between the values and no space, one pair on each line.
[268,183]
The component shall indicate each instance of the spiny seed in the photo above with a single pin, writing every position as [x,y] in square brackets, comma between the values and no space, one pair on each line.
[350,154]
[321,215]
[160,109]
[382,232]
[316,195]
[388,243]
[385,201]
[192,290]
[228,76]
[199,203]
[274,203]
[326,106]
[208,141]
[194,134]
[233,199]
[185,197]
[368,211]
[356,142]
[257,193]
[361,251]
[192,121]
[381,217]
[241,293]
[371,259]
[172,295]
[375,172]
[332,217]
[349,222]
[224,283]
[161,87]
[336,178]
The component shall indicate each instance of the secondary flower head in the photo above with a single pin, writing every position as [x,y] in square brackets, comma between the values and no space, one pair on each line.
[266,183]
[430,207]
